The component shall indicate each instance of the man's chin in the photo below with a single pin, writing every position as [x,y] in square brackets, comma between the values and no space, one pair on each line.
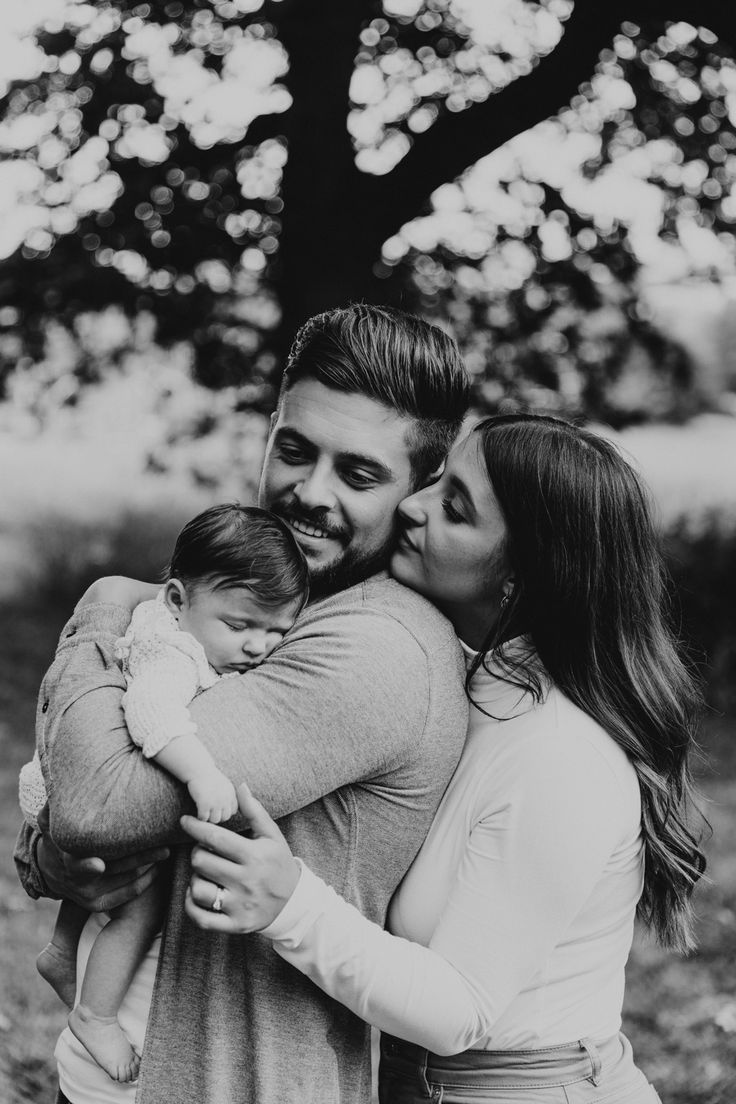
[343,571]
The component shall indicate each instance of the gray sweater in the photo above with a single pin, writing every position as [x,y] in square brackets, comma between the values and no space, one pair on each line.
[348,734]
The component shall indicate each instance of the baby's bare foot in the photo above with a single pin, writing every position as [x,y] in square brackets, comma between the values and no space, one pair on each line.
[103,1037]
[59,968]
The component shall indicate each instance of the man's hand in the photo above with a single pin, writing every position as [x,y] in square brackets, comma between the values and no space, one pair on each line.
[118,590]
[97,885]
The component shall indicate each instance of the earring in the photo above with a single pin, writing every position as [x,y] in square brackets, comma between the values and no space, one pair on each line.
[505,601]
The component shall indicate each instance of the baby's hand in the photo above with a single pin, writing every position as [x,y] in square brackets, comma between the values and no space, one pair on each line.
[215,797]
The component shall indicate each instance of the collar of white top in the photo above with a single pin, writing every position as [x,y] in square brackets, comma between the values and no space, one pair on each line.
[490,685]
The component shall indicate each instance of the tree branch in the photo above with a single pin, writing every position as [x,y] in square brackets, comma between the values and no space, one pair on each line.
[455,142]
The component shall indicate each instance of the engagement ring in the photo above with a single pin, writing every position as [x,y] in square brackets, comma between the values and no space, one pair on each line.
[216,905]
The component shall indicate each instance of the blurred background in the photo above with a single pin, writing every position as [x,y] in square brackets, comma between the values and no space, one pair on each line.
[183,183]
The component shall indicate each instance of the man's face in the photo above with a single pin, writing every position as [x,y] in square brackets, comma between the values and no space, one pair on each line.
[336,467]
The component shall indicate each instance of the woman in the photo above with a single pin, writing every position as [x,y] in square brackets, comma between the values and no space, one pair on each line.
[568,813]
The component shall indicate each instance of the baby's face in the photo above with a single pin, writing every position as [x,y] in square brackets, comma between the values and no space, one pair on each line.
[236,631]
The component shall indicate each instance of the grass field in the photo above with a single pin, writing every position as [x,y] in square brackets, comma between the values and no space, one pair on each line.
[680,1013]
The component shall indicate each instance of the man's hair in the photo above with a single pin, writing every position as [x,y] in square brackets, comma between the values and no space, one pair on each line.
[233,545]
[589,589]
[394,358]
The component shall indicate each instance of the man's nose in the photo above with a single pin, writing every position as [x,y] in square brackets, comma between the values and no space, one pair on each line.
[315,489]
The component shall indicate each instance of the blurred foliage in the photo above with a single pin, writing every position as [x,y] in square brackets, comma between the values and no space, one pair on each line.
[701,563]
[229,166]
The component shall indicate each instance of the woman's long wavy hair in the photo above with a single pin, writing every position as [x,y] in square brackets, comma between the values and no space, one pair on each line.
[590,591]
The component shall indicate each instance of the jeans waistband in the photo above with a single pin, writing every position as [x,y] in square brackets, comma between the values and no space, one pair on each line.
[546,1067]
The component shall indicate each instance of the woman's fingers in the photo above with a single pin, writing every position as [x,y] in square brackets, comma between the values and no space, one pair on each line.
[217,869]
[222,841]
[262,826]
[207,919]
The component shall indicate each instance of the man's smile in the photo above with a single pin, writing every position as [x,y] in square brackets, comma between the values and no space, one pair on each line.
[308,530]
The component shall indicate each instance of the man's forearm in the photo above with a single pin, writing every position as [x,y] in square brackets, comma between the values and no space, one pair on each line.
[304,724]
[107,798]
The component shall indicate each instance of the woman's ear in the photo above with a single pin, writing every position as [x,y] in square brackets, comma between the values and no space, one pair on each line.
[507,590]
[175,597]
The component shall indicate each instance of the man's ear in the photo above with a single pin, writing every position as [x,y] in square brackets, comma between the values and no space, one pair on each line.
[433,476]
[175,597]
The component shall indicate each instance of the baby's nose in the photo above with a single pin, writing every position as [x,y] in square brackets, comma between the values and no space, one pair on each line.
[254,644]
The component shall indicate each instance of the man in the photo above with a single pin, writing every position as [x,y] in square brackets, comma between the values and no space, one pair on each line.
[348,733]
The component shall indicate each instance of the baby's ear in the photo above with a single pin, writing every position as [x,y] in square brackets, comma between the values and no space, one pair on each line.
[175,596]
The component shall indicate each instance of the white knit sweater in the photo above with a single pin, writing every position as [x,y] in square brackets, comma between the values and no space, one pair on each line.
[164,669]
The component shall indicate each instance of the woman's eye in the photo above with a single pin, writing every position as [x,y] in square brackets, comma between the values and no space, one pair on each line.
[452,514]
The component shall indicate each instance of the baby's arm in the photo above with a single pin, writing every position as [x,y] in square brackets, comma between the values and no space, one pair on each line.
[155,705]
[188,760]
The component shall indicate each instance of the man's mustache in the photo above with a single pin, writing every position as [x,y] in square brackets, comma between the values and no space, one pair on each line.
[290,510]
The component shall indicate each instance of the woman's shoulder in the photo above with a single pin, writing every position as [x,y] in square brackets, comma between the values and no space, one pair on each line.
[549,736]
[571,734]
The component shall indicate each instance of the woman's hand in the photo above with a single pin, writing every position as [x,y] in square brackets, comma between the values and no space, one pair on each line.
[247,880]
[118,590]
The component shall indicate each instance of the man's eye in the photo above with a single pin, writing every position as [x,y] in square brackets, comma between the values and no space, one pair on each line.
[291,454]
[453,515]
[358,479]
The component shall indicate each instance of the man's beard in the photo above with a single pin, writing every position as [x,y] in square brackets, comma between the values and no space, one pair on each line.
[350,567]
[346,571]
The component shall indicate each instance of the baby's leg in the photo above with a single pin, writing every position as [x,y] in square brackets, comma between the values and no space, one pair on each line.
[114,959]
[57,962]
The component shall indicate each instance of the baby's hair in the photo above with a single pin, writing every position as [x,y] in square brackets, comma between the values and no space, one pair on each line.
[233,545]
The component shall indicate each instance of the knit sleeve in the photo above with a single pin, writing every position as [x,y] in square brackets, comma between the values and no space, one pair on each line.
[161,684]
[32,790]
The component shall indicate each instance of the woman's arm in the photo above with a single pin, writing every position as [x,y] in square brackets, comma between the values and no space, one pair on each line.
[529,864]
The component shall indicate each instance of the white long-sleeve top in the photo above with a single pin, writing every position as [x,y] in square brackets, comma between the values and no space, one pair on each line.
[512,928]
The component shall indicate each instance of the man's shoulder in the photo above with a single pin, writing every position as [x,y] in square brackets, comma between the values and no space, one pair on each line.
[379,601]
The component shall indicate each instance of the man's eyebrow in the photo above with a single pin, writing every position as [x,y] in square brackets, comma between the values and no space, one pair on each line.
[362,460]
[288,431]
[462,489]
[354,459]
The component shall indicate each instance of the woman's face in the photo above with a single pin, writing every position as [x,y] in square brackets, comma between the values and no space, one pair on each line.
[452,544]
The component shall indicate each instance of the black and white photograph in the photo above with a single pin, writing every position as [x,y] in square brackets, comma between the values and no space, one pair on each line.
[367,551]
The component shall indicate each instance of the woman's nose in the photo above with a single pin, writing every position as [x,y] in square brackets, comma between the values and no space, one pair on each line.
[412,509]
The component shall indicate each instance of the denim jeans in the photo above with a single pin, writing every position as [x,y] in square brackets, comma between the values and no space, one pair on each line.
[576,1073]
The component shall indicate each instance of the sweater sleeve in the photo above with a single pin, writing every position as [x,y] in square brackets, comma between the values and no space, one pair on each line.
[529,864]
[155,703]
[343,699]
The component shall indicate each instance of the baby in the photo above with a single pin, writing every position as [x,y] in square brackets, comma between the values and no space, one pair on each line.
[235,585]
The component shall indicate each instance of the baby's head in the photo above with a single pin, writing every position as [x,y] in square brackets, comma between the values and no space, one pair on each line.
[236,582]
